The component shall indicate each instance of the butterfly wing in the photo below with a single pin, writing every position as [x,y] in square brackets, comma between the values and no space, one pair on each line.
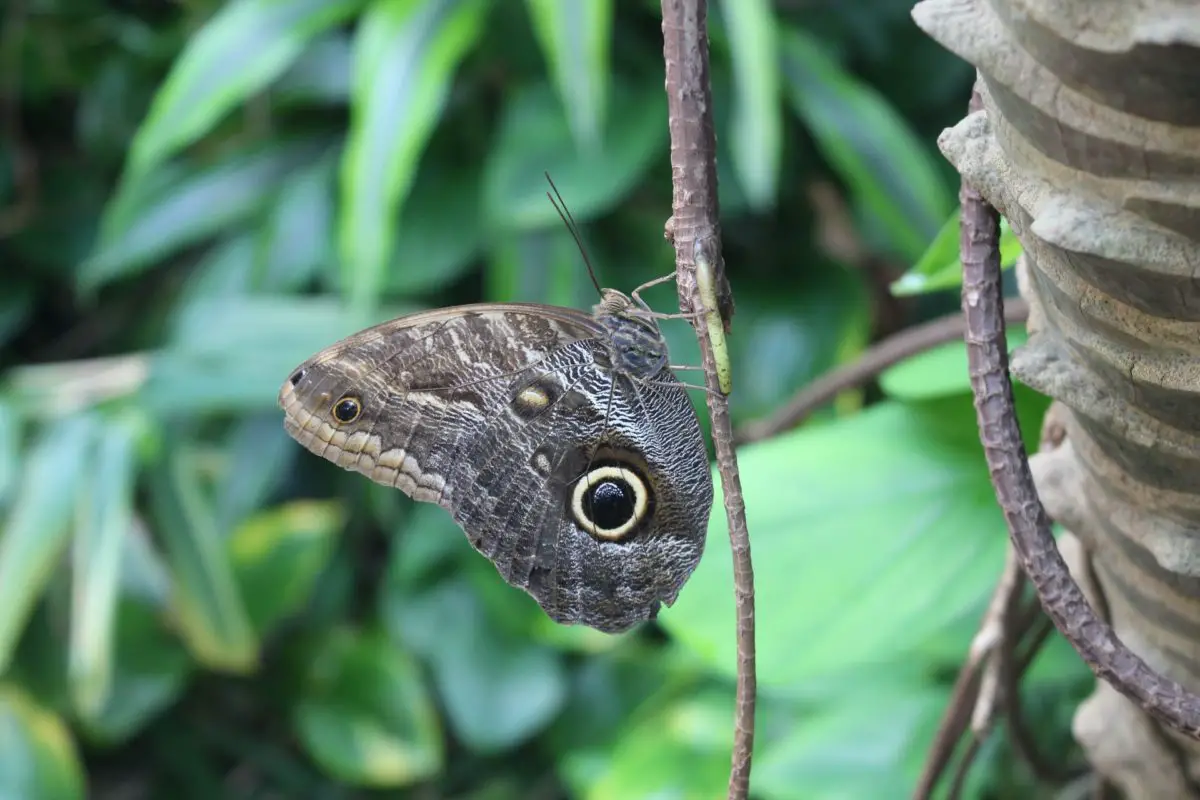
[511,418]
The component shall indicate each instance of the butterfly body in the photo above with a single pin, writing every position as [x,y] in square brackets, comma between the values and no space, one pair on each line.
[559,441]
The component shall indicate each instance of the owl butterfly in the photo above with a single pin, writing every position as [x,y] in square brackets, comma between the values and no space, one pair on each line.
[559,441]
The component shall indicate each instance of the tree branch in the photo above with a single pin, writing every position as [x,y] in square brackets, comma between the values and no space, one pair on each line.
[874,360]
[1028,524]
[694,229]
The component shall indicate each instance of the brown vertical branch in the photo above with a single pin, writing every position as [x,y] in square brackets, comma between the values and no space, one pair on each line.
[1028,524]
[695,230]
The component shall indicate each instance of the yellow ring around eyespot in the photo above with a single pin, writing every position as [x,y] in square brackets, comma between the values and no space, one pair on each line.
[640,501]
[346,399]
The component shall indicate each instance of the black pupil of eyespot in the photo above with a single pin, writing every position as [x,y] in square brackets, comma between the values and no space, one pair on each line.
[346,410]
[610,504]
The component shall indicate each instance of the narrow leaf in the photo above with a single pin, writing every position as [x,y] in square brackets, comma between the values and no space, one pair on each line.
[38,760]
[890,173]
[146,223]
[37,529]
[575,37]
[10,450]
[106,516]
[246,45]
[406,54]
[535,138]
[205,596]
[757,135]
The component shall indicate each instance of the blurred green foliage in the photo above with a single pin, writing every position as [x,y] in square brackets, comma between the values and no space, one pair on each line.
[198,195]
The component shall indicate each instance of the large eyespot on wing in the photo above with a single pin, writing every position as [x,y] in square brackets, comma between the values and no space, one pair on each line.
[393,401]
[597,509]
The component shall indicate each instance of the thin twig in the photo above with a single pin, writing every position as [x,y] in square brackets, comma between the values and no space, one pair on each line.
[1008,465]
[874,360]
[694,228]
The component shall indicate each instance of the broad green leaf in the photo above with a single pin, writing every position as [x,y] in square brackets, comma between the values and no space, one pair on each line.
[38,760]
[106,515]
[150,672]
[37,529]
[887,169]
[207,605]
[939,372]
[246,45]
[365,715]
[406,54]
[681,751]
[939,266]
[535,138]
[870,535]
[757,135]
[498,689]
[865,742]
[173,207]
[278,554]
[575,38]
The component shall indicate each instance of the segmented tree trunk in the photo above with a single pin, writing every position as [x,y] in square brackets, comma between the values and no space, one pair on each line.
[1089,145]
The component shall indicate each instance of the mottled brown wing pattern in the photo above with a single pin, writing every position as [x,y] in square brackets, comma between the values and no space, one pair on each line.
[496,412]
[517,511]
[423,384]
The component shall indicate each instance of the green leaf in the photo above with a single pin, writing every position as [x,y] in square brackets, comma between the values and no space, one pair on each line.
[939,372]
[295,241]
[10,450]
[154,217]
[278,554]
[885,166]
[437,238]
[498,689]
[575,40]
[207,605]
[757,134]
[365,715]
[535,138]
[865,742]
[38,760]
[208,367]
[16,306]
[246,45]
[150,672]
[538,266]
[106,515]
[36,532]
[322,73]
[680,751]
[261,440]
[939,266]
[406,54]
[870,535]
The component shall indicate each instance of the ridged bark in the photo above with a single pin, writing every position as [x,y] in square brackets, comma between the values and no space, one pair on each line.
[1089,144]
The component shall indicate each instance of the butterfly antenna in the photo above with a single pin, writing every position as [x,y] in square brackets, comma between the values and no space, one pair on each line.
[565,215]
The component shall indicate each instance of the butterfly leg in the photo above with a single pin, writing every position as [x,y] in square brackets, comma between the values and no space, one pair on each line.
[636,293]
